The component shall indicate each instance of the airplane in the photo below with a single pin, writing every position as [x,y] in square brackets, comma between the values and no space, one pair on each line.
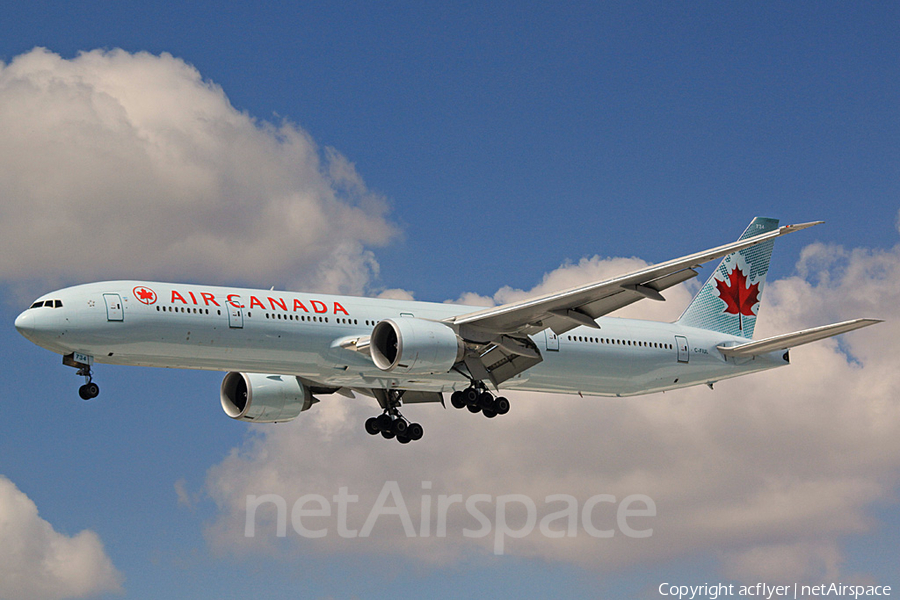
[282,350]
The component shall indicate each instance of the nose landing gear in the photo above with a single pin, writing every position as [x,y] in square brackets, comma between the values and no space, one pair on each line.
[89,390]
[81,362]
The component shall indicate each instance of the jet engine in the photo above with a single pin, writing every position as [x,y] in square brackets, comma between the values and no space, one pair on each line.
[264,398]
[415,346]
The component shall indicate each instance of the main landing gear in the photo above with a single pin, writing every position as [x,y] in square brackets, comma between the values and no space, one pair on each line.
[391,424]
[477,399]
[394,425]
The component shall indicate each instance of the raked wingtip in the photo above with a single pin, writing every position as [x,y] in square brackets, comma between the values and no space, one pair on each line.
[867,322]
[799,226]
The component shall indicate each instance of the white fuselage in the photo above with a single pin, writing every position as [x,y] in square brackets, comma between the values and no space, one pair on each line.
[231,329]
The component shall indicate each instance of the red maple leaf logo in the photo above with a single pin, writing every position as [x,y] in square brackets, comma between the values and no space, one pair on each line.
[145,295]
[739,298]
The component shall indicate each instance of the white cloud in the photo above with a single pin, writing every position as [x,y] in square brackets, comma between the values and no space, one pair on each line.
[184,497]
[767,473]
[119,164]
[784,562]
[396,294]
[39,563]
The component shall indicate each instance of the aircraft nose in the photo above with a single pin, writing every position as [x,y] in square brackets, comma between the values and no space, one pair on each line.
[25,323]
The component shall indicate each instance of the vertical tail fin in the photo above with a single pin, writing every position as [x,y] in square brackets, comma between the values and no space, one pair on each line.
[729,300]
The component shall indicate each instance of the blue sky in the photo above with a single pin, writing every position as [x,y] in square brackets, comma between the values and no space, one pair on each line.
[600,116]
[505,140]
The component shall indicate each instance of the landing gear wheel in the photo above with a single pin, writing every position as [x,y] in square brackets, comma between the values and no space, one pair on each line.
[415,431]
[501,406]
[399,426]
[470,394]
[387,434]
[403,439]
[458,399]
[485,401]
[490,414]
[473,408]
[89,391]
[384,422]
[372,427]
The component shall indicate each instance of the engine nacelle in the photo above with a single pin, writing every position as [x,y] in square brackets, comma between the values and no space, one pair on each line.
[415,346]
[264,398]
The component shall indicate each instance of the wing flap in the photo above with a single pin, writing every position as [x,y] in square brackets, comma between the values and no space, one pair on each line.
[501,364]
[416,397]
[797,338]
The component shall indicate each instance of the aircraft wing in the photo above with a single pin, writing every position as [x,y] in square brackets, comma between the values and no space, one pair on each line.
[798,338]
[562,311]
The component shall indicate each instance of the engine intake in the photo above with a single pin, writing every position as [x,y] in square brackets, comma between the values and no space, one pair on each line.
[415,346]
[264,398]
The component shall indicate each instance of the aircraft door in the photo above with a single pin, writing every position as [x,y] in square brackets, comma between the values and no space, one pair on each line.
[114,310]
[235,316]
[552,340]
[681,344]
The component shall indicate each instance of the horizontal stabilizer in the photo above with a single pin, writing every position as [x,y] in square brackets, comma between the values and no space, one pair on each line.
[798,338]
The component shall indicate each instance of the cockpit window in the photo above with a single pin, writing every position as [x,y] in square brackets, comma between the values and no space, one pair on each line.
[47,304]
